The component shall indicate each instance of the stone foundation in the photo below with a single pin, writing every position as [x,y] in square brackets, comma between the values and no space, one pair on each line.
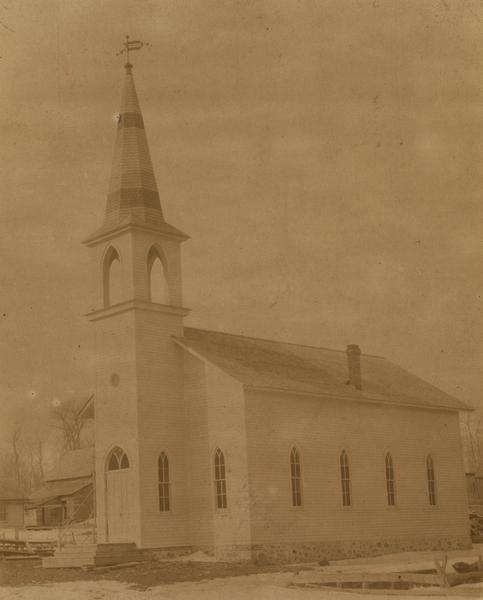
[168,553]
[324,551]
[299,552]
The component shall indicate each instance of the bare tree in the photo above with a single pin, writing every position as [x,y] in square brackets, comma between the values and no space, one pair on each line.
[66,418]
[28,444]
[19,459]
[472,432]
[15,444]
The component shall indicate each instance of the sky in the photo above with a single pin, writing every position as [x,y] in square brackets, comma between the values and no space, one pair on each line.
[325,158]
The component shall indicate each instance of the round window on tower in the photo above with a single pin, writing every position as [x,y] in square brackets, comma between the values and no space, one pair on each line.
[115,379]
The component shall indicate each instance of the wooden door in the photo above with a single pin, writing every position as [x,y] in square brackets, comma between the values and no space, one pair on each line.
[119,498]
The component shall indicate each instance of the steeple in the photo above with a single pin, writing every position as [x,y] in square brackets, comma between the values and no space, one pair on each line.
[133,197]
[133,193]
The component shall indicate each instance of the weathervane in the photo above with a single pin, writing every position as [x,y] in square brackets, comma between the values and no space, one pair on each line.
[131,45]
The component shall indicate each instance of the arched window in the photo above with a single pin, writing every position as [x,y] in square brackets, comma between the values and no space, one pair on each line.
[158,285]
[295,477]
[112,278]
[345,479]
[390,485]
[163,479]
[431,480]
[220,479]
[117,460]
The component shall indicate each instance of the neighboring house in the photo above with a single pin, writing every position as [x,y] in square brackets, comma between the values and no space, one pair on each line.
[248,447]
[67,492]
[479,484]
[12,500]
[472,489]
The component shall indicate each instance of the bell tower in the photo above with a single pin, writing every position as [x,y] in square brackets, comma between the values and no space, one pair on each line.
[137,311]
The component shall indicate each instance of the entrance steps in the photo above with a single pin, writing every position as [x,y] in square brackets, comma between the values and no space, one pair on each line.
[81,555]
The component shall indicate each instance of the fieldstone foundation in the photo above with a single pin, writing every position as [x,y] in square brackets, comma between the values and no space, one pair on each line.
[265,554]
[323,551]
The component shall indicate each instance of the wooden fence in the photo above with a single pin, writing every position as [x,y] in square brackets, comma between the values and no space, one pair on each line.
[400,580]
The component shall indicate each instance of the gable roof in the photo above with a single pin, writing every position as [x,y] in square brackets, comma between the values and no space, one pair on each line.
[56,489]
[271,365]
[74,464]
[10,490]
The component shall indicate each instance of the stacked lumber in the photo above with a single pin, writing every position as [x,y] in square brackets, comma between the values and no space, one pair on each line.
[14,547]
[393,582]
[43,547]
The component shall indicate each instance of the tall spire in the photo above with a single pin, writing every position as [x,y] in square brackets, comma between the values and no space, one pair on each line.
[133,193]
[133,197]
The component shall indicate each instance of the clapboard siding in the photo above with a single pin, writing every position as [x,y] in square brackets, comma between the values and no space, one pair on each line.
[321,429]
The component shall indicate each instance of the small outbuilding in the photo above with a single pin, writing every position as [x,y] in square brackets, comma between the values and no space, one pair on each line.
[66,495]
[472,489]
[12,501]
[478,484]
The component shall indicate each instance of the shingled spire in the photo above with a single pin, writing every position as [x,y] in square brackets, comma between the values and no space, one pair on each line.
[133,197]
[133,193]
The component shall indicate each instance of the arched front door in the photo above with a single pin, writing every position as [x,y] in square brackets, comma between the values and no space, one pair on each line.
[119,497]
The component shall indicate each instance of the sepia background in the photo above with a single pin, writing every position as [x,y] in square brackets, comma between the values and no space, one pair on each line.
[324,156]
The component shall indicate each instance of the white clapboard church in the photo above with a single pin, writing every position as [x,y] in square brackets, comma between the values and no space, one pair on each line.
[246,447]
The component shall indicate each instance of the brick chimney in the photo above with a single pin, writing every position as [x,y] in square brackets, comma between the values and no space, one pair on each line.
[354,365]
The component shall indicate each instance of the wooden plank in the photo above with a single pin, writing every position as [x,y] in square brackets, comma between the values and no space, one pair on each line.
[344,577]
[376,591]
[458,578]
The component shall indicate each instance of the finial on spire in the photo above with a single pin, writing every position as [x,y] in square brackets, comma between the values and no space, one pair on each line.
[131,45]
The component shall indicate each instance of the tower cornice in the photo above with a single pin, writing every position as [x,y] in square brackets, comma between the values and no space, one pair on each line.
[136,304]
[105,234]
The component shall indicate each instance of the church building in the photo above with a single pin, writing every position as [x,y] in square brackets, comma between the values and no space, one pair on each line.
[249,448]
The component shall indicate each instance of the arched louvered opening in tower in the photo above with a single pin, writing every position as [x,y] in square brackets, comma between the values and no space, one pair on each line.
[157,277]
[112,277]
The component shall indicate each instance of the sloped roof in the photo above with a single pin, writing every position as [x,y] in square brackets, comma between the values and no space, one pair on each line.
[74,464]
[266,364]
[55,489]
[10,490]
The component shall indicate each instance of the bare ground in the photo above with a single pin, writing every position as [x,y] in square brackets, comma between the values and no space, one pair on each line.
[142,576]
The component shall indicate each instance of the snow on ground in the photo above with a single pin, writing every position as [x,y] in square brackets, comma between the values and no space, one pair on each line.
[267,586]
[405,561]
[197,557]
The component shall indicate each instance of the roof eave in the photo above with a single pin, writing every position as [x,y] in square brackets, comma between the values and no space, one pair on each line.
[362,397]
[86,411]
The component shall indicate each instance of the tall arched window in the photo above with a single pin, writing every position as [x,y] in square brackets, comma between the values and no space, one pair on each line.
[345,479]
[158,285]
[117,459]
[390,485]
[220,479]
[431,480]
[163,479]
[295,477]
[112,279]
